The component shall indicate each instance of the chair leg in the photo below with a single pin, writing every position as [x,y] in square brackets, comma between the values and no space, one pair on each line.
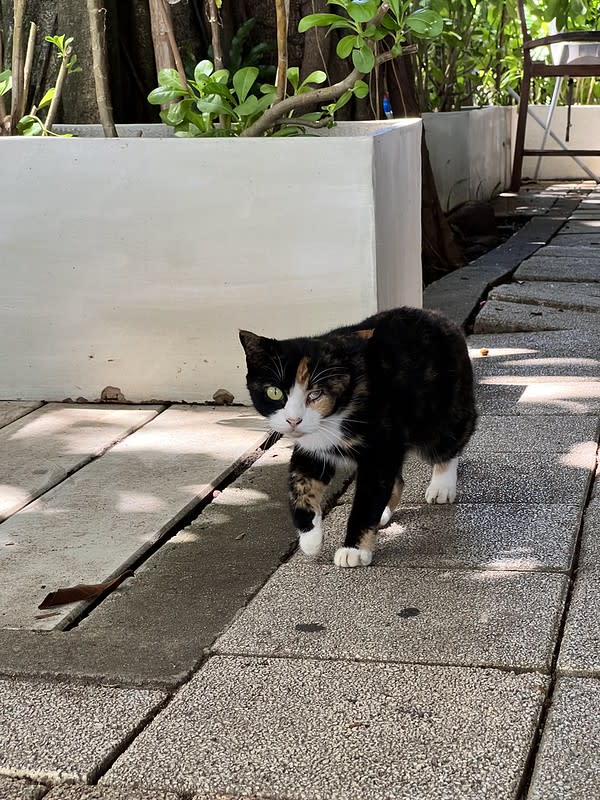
[515,183]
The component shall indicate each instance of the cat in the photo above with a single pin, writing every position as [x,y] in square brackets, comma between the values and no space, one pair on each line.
[365,394]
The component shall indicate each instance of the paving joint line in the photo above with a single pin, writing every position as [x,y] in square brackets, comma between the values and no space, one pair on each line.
[86,462]
[42,403]
[527,776]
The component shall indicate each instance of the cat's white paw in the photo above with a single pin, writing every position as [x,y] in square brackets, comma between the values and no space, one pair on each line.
[352,557]
[386,516]
[442,488]
[312,541]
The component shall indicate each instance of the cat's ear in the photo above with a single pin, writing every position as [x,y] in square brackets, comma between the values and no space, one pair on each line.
[365,334]
[254,345]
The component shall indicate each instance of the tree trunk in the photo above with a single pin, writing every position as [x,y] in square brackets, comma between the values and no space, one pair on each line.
[441,253]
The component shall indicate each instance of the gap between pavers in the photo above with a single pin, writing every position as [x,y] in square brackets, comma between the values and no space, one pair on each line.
[580,647]
[567,763]
[41,449]
[57,732]
[11,410]
[164,469]
[309,730]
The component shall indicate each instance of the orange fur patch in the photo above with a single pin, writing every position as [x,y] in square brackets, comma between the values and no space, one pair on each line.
[302,373]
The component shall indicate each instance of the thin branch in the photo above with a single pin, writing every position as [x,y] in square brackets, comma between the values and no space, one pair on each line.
[62,74]
[215,33]
[308,123]
[282,8]
[168,25]
[17,63]
[4,117]
[100,66]
[28,68]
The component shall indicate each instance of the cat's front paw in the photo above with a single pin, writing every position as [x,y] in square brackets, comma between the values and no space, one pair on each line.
[352,557]
[311,541]
[440,493]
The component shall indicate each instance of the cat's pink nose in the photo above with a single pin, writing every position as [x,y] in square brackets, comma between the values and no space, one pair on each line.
[293,423]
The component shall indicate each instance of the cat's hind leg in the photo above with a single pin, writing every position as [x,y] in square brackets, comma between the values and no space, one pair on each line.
[307,481]
[393,501]
[442,487]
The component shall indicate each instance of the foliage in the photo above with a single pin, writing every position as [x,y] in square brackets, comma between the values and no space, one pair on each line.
[31,124]
[479,54]
[224,103]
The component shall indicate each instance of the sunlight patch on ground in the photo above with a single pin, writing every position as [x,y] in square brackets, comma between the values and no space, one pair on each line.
[138,502]
[496,352]
[581,455]
[553,362]
[11,497]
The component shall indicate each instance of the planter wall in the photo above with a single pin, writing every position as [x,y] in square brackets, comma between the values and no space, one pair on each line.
[133,262]
[470,153]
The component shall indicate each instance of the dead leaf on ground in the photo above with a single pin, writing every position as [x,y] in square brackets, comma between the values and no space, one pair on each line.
[82,591]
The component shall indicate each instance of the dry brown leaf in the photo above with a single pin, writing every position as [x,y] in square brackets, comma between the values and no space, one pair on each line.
[82,591]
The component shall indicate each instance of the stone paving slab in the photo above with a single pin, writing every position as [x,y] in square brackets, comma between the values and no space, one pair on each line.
[11,410]
[578,296]
[510,478]
[468,536]
[78,792]
[568,767]
[514,397]
[580,648]
[573,248]
[590,542]
[534,435]
[59,732]
[500,619]
[309,730]
[138,490]
[591,240]
[499,316]
[585,226]
[43,448]
[17,789]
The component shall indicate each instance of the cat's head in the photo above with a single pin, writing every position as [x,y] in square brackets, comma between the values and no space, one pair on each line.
[306,388]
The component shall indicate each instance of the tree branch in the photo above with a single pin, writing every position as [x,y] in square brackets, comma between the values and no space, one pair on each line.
[100,66]
[215,33]
[282,13]
[17,64]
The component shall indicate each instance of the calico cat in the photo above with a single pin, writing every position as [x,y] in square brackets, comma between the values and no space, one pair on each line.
[400,380]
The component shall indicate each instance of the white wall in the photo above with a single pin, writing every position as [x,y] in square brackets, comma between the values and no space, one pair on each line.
[133,262]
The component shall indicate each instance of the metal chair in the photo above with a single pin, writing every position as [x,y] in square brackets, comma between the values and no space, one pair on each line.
[576,55]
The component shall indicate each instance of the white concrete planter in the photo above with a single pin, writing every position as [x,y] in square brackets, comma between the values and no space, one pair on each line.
[470,153]
[133,262]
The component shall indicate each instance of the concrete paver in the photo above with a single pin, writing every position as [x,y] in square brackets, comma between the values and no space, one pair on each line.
[309,730]
[580,648]
[507,536]
[532,435]
[512,396]
[478,618]
[73,792]
[138,489]
[579,296]
[41,449]
[510,478]
[568,767]
[590,540]
[589,240]
[499,316]
[542,267]
[11,410]
[18,789]
[585,226]
[57,732]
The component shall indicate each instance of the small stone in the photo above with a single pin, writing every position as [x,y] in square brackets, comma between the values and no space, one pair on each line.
[483,351]
[112,394]
[223,398]
[82,400]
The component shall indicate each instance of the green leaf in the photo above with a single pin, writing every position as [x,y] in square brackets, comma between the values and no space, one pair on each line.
[47,98]
[161,95]
[293,76]
[30,126]
[425,23]
[5,82]
[363,59]
[175,114]
[248,107]
[243,81]
[360,89]
[203,70]
[318,76]
[221,76]
[363,10]
[340,102]
[319,21]
[169,79]
[346,45]
[213,105]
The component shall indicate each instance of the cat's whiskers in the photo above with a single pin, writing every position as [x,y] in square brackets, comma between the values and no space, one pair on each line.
[328,372]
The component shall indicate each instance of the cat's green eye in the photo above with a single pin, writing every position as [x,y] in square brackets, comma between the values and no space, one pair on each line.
[274,393]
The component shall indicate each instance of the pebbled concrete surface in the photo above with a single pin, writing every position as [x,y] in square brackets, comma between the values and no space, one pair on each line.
[577,296]
[505,434]
[493,618]
[11,410]
[18,789]
[56,732]
[567,766]
[580,648]
[69,792]
[310,730]
[590,541]
[559,268]
[499,316]
[508,536]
